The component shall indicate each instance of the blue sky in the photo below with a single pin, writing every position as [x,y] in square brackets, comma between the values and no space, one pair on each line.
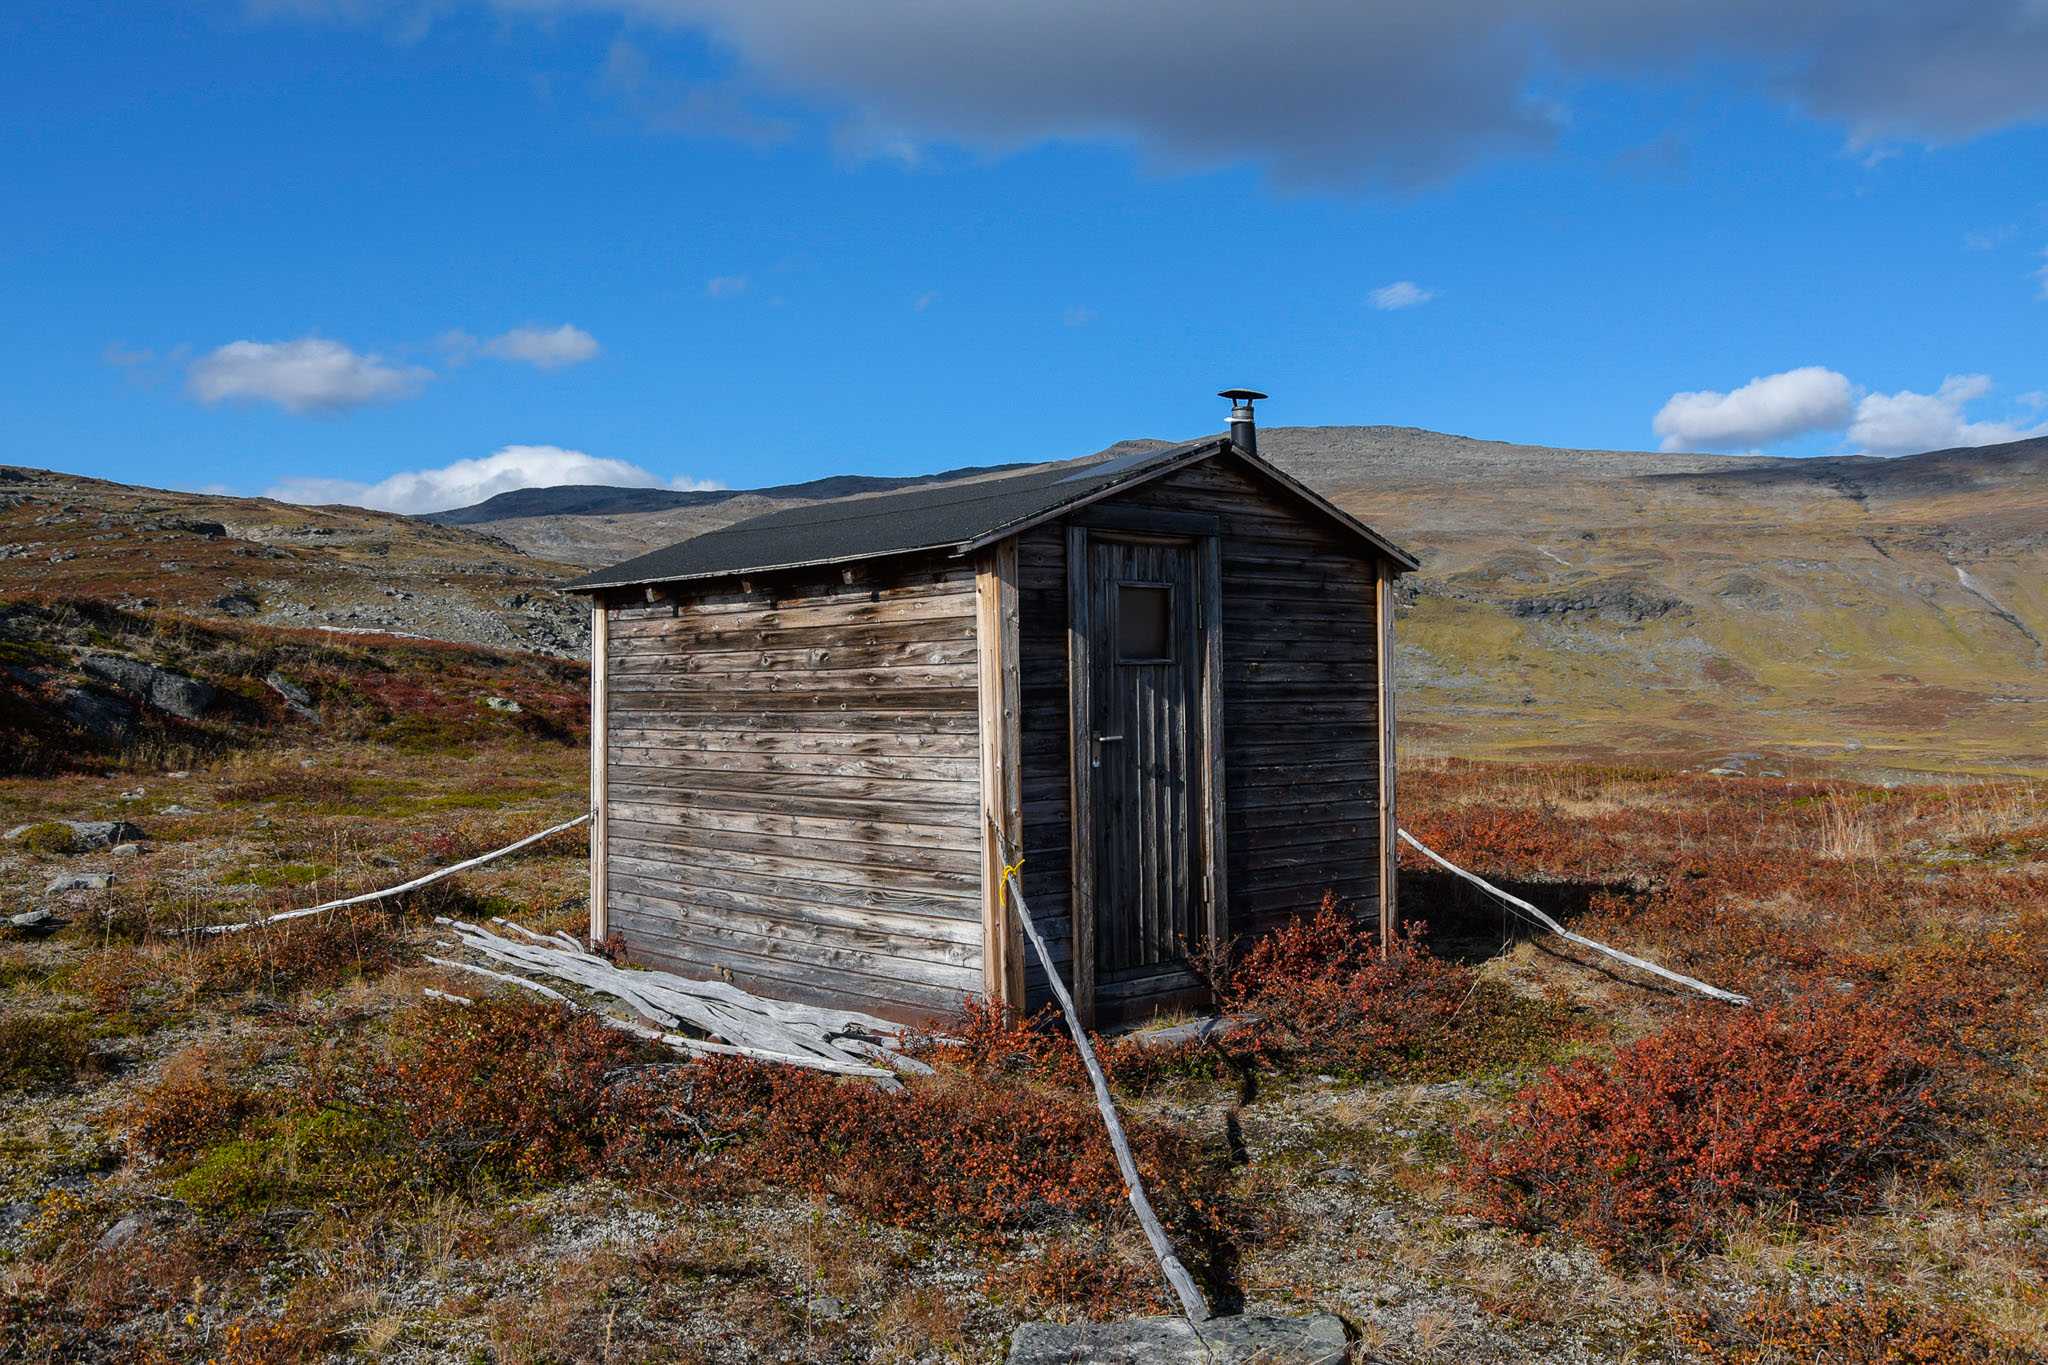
[412,253]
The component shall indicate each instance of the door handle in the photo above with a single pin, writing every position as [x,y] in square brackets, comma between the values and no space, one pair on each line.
[1101,740]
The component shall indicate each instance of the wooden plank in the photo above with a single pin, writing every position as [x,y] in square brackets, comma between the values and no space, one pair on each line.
[1389,850]
[1081,877]
[949,631]
[600,800]
[1002,801]
[1215,832]
[646,782]
[1120,516]
[920,857]
[649,759]
[877,817]
[691,721]
[801,923]
[651,926]
[825,872]
[860,681]
[875,701]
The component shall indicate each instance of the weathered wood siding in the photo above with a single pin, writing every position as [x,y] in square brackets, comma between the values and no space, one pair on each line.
[794,789]
[1042,641]
[1300,621]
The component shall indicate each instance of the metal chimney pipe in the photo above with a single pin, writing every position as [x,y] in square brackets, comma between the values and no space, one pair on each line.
[1244,433]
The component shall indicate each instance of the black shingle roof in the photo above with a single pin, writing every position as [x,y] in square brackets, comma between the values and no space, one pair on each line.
[960,515]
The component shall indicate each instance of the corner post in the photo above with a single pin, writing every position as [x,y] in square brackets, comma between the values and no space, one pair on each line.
[1000,691]
[600,732]
[1390,848]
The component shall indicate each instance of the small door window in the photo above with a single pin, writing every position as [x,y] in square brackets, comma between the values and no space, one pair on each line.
[1144,623]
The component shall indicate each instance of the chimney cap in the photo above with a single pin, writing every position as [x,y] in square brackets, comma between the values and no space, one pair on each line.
[1241,395]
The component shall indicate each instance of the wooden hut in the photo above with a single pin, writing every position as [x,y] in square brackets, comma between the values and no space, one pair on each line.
[1162,679]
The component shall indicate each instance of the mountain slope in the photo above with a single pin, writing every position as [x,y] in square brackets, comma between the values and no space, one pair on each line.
[64,536]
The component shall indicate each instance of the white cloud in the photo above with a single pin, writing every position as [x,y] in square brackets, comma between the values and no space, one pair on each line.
[1906,423]
[471,481]
[1400,294]
[311,374]
[544,348]
[1771,408]
[725,286]
[1078,317]
[924,300]
[2042,275]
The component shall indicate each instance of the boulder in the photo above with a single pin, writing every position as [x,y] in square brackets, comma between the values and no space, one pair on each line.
[102,833]
[119,1233]
[238,604]
[1314,1340]
[173,693]
[37,922]
[296,698]
[90,834]
[102,715]
[79,881]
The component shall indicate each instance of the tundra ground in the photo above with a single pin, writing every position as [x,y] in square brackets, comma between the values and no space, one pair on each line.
[1487,1146]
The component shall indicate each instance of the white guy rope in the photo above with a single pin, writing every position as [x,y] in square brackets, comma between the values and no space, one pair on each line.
[415,884]
[1547,922]
[1176,1274]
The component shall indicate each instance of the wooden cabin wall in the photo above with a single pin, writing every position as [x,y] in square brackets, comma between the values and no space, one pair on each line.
[794,786]
[1300,698]
[1042,644]
[1301,740]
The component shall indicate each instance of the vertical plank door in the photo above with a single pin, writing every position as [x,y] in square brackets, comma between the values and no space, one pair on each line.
[1146,767]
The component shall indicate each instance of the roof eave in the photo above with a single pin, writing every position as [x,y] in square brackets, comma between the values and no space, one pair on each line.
[583,587]
[1195,453]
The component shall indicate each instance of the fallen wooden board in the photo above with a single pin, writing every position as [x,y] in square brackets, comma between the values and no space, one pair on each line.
[734,1022]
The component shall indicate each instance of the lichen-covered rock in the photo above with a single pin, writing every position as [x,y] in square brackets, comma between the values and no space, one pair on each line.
[172,693]
[1314,1340]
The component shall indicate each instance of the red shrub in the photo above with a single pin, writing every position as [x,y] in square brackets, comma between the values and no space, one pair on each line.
[1324,996]
[1805,1106]
[1870,1330]
[513,1089]
[187,1111]
[956,1148]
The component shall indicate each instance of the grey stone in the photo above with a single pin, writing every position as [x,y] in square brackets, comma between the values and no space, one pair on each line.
[102,833]
[102,715]
[825,1308]
[90,834]
[502,704]
[175,809]
[14,1215]
[172,693]
[289,690]
[79,881]
[119,1233]
[36,921]
[125,850]
[1313,1340]
[239,604]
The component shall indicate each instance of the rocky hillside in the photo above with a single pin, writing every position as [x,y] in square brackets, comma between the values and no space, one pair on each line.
[1748,613]
[336,569]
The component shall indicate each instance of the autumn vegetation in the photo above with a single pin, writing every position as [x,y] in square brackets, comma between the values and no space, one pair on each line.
[1472,1141]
